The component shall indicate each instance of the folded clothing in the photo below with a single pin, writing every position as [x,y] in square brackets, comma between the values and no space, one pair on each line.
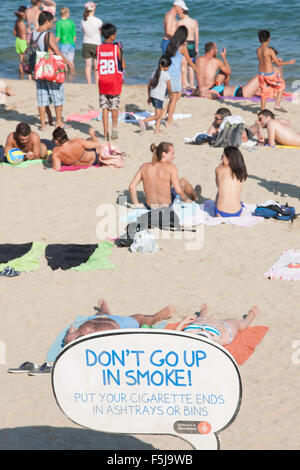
[286,267]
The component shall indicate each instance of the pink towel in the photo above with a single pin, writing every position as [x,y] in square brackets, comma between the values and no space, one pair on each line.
[92,114]
[75,168]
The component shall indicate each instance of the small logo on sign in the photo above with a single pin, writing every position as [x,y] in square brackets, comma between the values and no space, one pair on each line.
[192,427]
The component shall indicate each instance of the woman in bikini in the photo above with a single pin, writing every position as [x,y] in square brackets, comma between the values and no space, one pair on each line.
[230,175]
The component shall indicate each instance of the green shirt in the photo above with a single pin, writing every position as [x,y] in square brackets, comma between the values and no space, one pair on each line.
[66,31]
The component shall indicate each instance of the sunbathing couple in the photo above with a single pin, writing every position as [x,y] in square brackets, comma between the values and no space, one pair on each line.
[161,181]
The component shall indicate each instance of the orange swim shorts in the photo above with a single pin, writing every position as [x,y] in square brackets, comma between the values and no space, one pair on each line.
[270,84]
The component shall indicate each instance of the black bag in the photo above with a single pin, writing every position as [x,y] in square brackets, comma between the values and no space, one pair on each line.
[30,53]
[230,136]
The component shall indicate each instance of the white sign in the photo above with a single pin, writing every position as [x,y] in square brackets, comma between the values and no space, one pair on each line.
[142,381]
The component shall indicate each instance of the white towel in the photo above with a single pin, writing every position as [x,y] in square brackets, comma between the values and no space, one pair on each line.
[287,267]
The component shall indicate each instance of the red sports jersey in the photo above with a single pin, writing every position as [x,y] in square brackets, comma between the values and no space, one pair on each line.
[110,77]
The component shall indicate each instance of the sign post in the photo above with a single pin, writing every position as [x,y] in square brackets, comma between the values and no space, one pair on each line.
[143,381]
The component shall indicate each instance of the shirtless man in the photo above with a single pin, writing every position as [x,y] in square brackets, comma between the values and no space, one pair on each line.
[212,71]
[171,23]
[192,46]
[279,131]
[79,152]
[221,331]
[246,91]
[32,15]
[160,180]
[230,175]
[26,140]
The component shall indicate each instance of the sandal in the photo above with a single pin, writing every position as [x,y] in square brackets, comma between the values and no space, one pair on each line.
[23,368]
[44,369]
[9,272]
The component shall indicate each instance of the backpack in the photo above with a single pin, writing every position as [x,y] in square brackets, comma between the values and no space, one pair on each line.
[30,54]
[163,218]
[230,134]
[278,212]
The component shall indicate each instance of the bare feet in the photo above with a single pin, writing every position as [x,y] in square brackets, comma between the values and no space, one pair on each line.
[102,304]
[203,310]
[280,108]
[251,314]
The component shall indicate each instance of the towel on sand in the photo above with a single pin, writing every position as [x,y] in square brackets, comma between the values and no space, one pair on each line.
[287,267]
[243,345]
[28,258]
[193,214]
[122,117]
[23,164]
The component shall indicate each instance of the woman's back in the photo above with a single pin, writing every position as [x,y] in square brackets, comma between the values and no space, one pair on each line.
[91,30]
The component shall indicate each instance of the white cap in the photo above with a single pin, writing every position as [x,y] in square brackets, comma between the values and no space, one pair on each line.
[180,3]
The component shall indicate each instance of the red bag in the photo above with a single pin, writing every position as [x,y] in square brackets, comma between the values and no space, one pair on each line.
[49,67]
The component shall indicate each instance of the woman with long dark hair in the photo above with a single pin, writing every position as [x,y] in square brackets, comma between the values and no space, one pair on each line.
[230,175]
[176,50]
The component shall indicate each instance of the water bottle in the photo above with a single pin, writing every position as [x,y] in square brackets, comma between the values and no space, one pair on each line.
[177,206]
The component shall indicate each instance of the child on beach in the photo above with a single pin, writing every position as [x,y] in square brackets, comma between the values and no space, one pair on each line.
[157,86]
[110,78]
[268,80]
[66,34]
[20,31]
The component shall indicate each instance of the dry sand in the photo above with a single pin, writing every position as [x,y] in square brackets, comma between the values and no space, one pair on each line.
[227,273]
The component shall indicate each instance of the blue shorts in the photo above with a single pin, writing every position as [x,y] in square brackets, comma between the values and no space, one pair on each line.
[227,214]
[68,51]
[164,44]
[158,104]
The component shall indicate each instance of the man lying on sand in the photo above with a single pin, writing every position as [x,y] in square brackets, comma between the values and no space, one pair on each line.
[280,131]
[221,331]
[220,114]
[26,140]
[160,180]
[247,91]
[230,175]
[79,152]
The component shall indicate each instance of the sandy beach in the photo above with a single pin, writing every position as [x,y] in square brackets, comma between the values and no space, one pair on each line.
[42,205]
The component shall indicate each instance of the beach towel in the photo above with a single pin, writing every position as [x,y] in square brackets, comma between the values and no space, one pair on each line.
[243,345]
[79,257]
[23,164]
[193,214]
[22,257]
[287,96]
[287,267]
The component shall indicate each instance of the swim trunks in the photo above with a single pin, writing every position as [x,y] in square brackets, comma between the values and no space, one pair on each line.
[164,44]
[191,49]
[203,330]
[21,45]
[270,84]
[123,322]
[227,214]
[218,88]
[238,92]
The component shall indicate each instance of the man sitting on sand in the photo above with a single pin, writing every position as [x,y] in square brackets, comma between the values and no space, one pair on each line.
[230,175]
[77,152]
[221,331]
[160,180]
[280,131]
[27,141]
[212,71]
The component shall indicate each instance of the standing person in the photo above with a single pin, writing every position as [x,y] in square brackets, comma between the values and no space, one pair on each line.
[32,15]
[230,175]
[91,27]
[45,89]
[171,23]
[157,87]
[188,77]
[268,80]
[109,64]
[176,50]
[21,36]
[66,34]
[50,6]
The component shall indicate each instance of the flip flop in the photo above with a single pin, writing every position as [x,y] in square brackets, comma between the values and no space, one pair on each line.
[281,109]
[23,368]
[9,272]
[44,369]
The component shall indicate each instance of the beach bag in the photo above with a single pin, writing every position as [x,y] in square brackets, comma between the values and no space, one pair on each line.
[163,218]
[111,156]
[49,66]
[29,60]
[274,211]
[230,134]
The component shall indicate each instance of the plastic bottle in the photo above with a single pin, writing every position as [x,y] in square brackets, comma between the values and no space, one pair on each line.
[176,206]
